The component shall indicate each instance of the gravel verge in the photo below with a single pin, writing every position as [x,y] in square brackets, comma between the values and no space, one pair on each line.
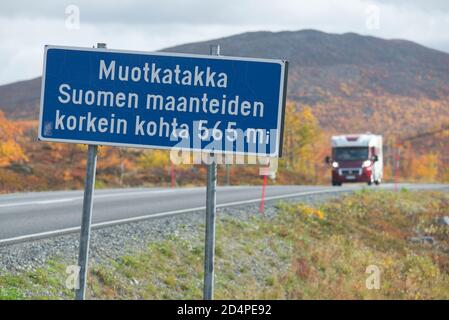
[115,241]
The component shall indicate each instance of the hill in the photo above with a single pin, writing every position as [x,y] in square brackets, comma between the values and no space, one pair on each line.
[352,82]
[20,100]
[322,60]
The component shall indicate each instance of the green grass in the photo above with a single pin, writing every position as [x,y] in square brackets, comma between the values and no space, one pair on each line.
[304,252]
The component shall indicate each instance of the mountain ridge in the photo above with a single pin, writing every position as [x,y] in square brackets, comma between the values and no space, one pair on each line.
[391,85]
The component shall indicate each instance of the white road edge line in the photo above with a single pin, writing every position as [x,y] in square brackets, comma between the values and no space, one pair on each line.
[48,234]
[100,196]
[77,198]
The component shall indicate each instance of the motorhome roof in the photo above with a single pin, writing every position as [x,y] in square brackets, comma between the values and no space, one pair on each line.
[356,140]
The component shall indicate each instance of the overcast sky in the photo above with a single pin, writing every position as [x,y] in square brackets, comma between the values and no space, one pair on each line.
[26,26]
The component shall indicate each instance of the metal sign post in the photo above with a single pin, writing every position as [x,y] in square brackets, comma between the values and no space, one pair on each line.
[211,198]
[83,257]
[209,251]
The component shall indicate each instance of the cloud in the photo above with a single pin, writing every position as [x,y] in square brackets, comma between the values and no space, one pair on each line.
[192,12]
[424,5]
[26,26]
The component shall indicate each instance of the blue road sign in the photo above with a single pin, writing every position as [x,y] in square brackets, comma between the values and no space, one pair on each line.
[163,100]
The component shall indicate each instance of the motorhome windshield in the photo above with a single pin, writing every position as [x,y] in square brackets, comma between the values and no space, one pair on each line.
[350,153]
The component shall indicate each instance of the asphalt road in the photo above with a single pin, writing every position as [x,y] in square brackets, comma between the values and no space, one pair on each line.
[26,216]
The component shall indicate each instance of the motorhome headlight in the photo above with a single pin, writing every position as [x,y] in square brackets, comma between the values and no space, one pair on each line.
[335,164]
[366,163]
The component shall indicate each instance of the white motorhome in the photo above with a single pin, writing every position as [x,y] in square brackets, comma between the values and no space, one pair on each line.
[356,158]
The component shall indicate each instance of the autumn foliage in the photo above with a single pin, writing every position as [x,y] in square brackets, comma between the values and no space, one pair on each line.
[29,165]
[10,150]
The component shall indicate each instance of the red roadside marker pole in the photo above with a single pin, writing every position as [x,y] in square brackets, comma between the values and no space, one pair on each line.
[396,171]
[262,200]
[172,174]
